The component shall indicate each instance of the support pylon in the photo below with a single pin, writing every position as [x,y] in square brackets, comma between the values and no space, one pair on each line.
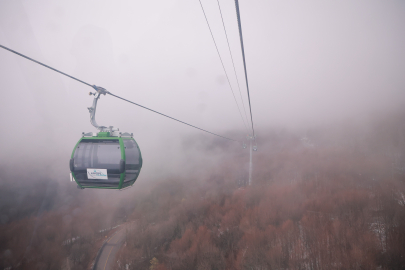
[250,138]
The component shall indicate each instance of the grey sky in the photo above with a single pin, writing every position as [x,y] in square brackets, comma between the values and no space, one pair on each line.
[309,62]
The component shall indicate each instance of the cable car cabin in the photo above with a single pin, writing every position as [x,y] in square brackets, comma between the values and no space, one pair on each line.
[107,162]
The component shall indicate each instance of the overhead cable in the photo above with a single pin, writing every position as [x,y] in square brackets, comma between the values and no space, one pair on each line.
[172,118]
[223,66]
[42,64]
[244,61]
[233,64]
[96,88]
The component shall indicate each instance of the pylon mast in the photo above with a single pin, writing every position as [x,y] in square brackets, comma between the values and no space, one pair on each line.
[252,148]
[250,162]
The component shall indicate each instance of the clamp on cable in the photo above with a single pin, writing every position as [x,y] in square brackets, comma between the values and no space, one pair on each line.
[100,90]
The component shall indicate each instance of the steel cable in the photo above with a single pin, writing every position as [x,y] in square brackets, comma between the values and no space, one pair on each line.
[171,117]
[244,61]
[95,87]
[8,49]
[223,66]
[233,64]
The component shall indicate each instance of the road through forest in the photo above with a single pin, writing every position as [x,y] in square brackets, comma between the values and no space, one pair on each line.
[106,258]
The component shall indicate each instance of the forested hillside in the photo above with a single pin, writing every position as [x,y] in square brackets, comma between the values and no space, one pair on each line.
[325,198]
[317,202]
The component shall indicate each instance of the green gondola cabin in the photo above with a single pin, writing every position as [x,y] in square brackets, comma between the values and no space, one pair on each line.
[106,162]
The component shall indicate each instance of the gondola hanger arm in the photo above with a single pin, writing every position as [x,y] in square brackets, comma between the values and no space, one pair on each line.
[92,110]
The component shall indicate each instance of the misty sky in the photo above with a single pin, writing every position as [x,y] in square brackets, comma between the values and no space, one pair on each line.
[309,63]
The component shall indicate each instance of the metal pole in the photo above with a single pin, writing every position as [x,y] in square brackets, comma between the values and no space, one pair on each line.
[250,162]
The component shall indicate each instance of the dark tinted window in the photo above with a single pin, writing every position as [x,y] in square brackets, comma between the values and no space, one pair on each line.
[132,155]
[97,154]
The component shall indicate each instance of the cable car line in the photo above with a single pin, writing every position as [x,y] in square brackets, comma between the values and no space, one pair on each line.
[107,92]
[233,64]
[223,66]
[172,118]
[42,64]
[244,61]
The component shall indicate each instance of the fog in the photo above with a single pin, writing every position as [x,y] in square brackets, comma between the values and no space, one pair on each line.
[309,64]
[327,97]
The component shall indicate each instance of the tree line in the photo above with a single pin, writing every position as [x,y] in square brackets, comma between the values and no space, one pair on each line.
[326,198]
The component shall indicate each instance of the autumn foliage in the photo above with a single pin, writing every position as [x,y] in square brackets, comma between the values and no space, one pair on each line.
[314,204]
[332,199]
